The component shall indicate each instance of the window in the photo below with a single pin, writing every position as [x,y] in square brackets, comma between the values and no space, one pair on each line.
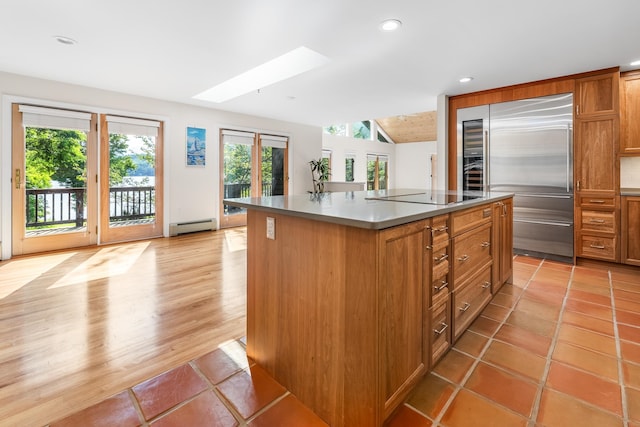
[340,130]
[349,162]
[364,129]
[326,158]
[361,130]
[377,172]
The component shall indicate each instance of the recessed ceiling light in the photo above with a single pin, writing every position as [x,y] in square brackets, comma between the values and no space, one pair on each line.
[65,40]
[390,25]
[290,64]
[465,79]
[634,63]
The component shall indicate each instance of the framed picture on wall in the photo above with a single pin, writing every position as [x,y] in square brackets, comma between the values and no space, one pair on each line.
[196,146]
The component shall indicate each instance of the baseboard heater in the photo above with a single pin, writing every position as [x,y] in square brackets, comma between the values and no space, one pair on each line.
[192,226]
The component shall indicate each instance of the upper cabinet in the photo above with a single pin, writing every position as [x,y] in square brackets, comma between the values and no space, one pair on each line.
[630,113]
[596,133]
[597,95]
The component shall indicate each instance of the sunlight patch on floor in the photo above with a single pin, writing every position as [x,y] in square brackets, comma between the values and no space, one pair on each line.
[18,273]
[107,262]
[236,240]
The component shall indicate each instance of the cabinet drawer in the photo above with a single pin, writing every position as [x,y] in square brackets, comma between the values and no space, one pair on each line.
[440,230]
[469,218]
[471,251]
[597,202]
[598,221]
[440,257]
[598,247]
[440,329]
[439,291]
[470,300]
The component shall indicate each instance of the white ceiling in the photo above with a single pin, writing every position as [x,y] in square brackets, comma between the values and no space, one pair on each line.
[174,50]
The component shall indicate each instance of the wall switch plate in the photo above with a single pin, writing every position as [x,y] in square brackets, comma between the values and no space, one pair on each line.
[271,228]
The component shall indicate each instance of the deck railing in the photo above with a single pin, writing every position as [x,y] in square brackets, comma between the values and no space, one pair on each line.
[66,206]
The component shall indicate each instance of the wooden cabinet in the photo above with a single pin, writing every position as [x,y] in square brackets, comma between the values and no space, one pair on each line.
[439,291]
[502,250]
[469,299]
[595,160]
[597,227]
[596,167]
[597,94]
[471,274]
[630,113]
[631,230]
[404,257]
[351,322]
[471,251]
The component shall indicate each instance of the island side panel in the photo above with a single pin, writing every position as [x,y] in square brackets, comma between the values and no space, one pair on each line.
[403,310]
[311,313]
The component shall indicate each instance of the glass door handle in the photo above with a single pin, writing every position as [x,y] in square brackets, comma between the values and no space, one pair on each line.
[18,180]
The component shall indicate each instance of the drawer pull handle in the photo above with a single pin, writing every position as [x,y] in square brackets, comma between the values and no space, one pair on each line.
[465,307]
[428,248]
[596,221]
[594,246]
[485,244]
[596,201]
[440,229]
[463,258]
[486,285]
[443,285]
[443,327]
[441,258]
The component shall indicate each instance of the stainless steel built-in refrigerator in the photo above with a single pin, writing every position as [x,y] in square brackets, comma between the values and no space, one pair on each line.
[524,147]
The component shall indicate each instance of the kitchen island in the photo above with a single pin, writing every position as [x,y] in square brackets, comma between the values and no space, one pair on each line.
[352,297]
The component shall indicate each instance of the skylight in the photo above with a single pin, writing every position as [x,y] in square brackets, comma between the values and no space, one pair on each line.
[290,64]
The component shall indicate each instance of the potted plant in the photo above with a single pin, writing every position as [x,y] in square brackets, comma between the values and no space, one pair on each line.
[320,172]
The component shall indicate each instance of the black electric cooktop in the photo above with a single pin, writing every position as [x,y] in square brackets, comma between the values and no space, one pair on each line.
[429,198]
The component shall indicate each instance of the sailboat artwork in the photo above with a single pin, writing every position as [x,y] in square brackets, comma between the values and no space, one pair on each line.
[196,146]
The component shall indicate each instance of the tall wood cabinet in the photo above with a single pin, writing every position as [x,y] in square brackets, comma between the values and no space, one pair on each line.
[596,170]
[631,230]
[630,113]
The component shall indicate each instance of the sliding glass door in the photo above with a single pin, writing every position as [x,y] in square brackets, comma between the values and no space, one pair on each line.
[53,199]
[131,182]
[252,165]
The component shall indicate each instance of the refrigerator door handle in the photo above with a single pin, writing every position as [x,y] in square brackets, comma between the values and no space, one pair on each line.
[487,167]
[568,156]
[545,196]
[558,224]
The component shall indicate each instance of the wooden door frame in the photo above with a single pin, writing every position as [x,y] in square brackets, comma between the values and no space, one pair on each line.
[134,232]
[20,244]
[256,177]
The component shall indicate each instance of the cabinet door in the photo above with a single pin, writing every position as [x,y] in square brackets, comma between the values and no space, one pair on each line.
[631,230]
[630,114]
[404,316]
[503,247]
[597,95]
[595,155]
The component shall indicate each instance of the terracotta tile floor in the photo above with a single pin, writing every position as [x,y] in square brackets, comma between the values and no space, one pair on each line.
[558,347]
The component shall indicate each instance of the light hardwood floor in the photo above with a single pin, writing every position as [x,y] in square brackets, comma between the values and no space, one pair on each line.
[78,326]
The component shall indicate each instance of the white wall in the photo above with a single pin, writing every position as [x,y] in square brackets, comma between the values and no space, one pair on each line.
[413,164]
[340,146]
[190,193]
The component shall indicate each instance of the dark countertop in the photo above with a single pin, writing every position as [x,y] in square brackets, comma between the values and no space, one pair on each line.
[369,209]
